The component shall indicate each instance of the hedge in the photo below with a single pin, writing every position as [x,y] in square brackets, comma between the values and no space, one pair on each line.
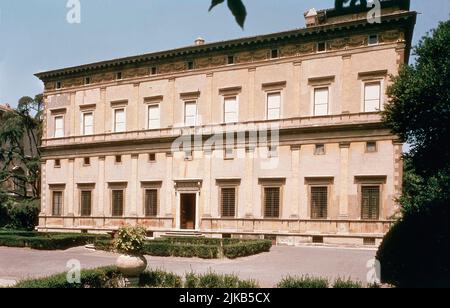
[217,281]
[205,248]
[47,241]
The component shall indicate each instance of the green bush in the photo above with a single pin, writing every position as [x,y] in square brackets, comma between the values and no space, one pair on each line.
[416,251]
[244,249]
[130,240]
[159,279]
[212,280]
[107,277]
[347,284]
[304,282]
[24,215]
[47,241]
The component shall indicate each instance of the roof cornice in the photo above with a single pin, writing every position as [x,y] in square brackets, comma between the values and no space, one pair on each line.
[230,44]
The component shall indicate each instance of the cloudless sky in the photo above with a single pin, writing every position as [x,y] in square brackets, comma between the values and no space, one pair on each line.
[35,36]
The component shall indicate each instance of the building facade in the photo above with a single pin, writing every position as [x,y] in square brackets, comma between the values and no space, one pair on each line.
[309,159]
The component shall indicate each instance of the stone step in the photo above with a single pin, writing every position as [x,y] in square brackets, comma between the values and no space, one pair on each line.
[183,234]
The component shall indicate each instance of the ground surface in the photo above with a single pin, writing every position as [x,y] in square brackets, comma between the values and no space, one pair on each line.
[267,268]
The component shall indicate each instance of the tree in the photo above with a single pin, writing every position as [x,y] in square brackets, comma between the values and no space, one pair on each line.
[419,107]
[236,7]
[20,137]
[416,251]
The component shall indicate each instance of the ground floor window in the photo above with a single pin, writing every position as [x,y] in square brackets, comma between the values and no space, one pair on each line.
[151,202]
[86,203]
[370,203]
[272,202]
[57,203]
[319,202]
[228,201]
[117,202]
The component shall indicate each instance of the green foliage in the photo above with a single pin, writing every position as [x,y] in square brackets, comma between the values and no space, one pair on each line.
[212,280]
[130,240]
[205,248]
[419,107]
[236,7]
[107,277]
[159,279]
[46,241]
[304,282]
[244,249]
[416,251]
[341,283]
[23,215]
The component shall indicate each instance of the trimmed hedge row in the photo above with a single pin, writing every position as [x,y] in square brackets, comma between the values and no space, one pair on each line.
[109,277]
[47,241]
[306,282]
[205,248]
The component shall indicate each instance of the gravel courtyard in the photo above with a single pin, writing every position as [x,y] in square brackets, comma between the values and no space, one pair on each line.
[267,268]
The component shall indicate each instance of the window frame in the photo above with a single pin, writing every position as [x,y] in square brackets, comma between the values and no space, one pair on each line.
[61,208]
[268,94]
[90,191]
[115,119]
[55,118]
[194,102]
[83,122]
[310,200]
[325,47]
[372,35]
[123,201]
[149,106]
[236,199]
[315,90]
[157,190]
[361,199]
[316,152]
[366,83]
[224,100]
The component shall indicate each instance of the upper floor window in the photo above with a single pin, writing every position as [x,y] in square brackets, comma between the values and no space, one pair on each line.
[190,113]
[319,202]
[154,117]
[87,80]
[151,202]
[274,53]
[230,60]
[153,70]
[321,100]
[371,147]
[117,202]
[88,123]
[372,96]
[119,120]
[272,202]
[57,203]
[119,75]
[273,106]
[59,127]
[373,39]
[321,47]
[86,202]
[190,65]
[58,85]
[370,202]
[231,110]
[320,149]
[228,202]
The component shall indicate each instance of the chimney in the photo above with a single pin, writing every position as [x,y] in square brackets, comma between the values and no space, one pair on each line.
[199,41]
[311,18]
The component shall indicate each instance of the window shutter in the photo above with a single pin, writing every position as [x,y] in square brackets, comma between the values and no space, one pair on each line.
[272,202]
[86,203]
[57,203]
[154,117]
[151,202]
[231,110]
[228,202]
[321,98]
[372,97]
[88,124]
[59,127]
[190,113]
[319,202]
[119,120]
[273,106]
[370,202]
[117,209]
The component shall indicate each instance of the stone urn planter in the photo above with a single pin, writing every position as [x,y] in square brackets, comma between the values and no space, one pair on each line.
[131,266]
[131,263]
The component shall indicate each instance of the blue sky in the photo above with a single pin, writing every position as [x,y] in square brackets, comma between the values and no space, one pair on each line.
[35,36]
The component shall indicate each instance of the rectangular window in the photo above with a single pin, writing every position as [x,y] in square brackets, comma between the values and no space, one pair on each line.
[274,53]
[188,155]
[273,106]
[152,157]
[119,120]
[190,113]
[59,127]
[151,202]
[154,115]
[118,159]
[88,123]
[58,85]
[321,47]
[272,151]
[117,203]
[228,202]
[370,203]
[119,75]
[87,161]
[372,97]
[272,202]
[87,80]
[319,202]
[57,163]
[86,203]
[229,153]
[190,65]
[321,99]
[57,203]
[230,60]
[320,149]
[231,110]
[371,147]
[154,70]
[373,39]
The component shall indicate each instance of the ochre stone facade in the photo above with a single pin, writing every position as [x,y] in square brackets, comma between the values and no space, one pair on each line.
[329,171]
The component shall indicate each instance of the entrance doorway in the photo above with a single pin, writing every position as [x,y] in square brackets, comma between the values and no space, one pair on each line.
[187,211]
